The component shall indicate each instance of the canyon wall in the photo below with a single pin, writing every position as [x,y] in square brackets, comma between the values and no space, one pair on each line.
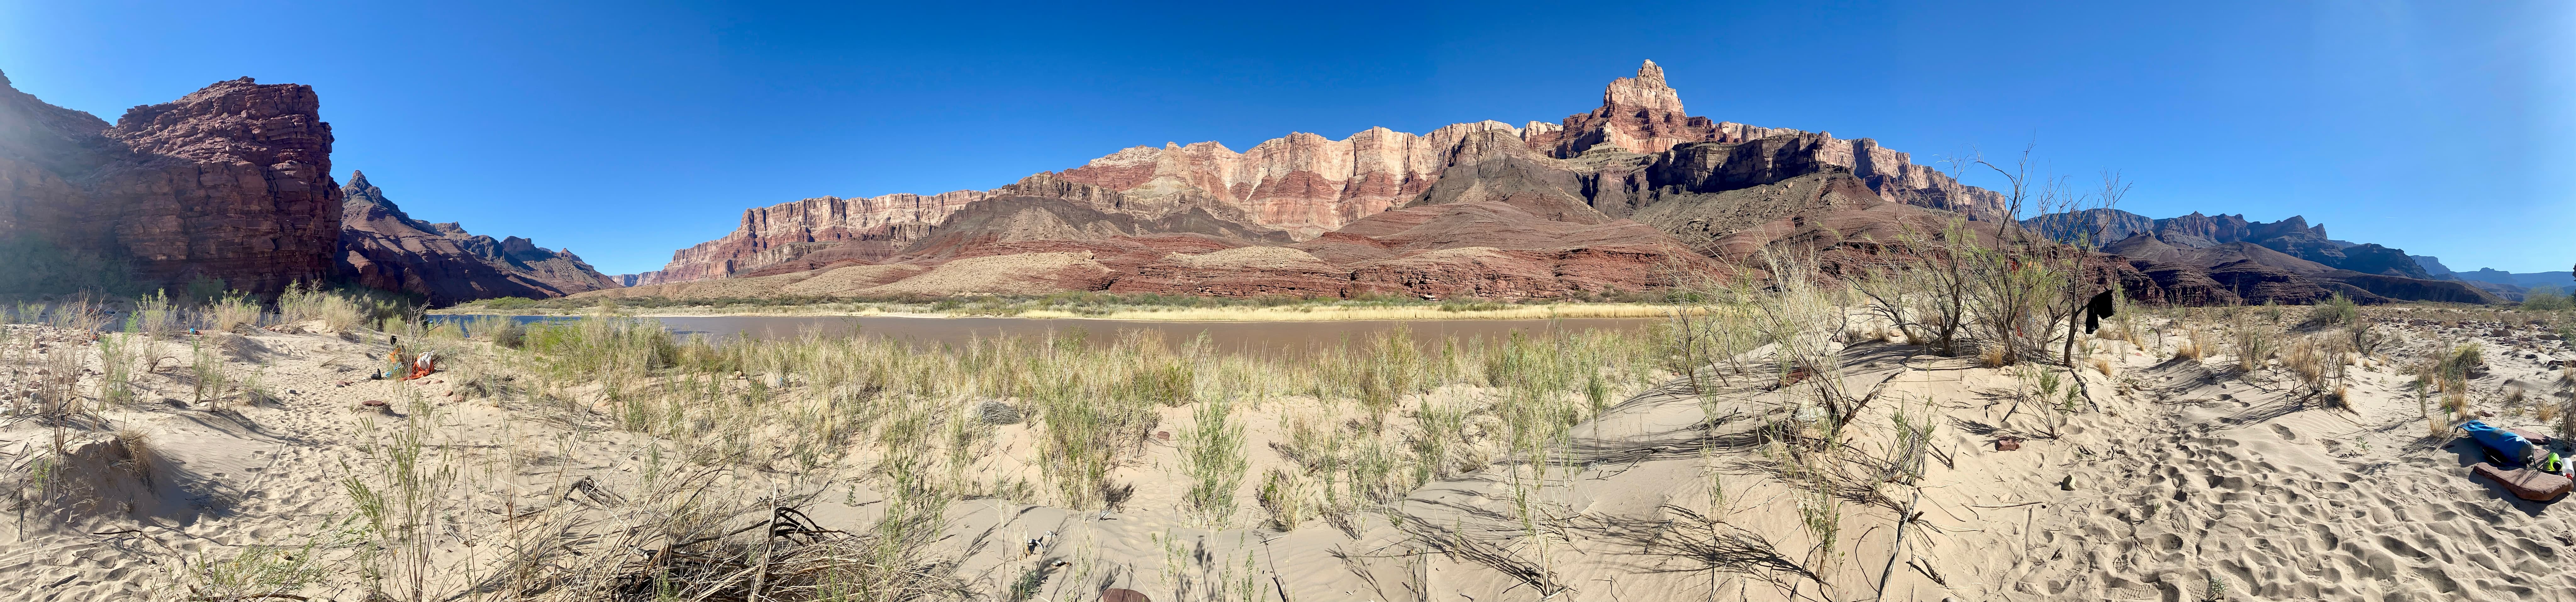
[1306,185]
[787,231]
[231,182]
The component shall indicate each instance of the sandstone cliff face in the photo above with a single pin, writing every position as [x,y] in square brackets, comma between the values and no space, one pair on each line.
[1306,185]
[875,226]
[231,182]
[383,247]
[1302,183]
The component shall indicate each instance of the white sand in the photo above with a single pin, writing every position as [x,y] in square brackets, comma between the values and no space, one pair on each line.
[2187,473]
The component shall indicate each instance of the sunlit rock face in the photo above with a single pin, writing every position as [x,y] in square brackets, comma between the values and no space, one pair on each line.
[1545,196]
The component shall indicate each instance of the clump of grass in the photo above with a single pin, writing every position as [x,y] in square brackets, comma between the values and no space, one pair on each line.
[234,312]
[136,455]
[2337,310]
[1212,455]
[1821,514]
[1283,495]
[206,367]
[117,355]
[2306,360]
[1993,355]
[153,316]
[256,572]
[2252,343]
[2566,418]
[304,302]
[2190,348]
[446,330]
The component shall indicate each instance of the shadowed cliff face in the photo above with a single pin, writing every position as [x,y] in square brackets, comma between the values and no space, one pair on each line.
[383,247]
[2287,261]
[231,182]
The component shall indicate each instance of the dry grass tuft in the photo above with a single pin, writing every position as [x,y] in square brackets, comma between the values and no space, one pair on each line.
[135,454]
[235,313]
[1992,356]
[2191,348]
[2102,365]
[305,302]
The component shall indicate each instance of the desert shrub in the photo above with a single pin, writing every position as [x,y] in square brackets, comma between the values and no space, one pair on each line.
[1212,455]
[153,316]
[31,267]
[2547,298]
[507,303]
[203,290]
[304,302]
[1283,494]
[232,312]
[2334,311]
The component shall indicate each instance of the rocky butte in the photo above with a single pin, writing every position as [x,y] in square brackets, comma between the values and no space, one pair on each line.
[231,182]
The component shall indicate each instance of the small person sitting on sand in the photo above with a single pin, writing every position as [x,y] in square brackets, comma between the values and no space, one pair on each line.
[395,362]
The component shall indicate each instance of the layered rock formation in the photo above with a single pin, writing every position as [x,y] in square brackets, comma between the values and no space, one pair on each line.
[2288,261]
[871,227]
[231,183]
[1305,185]
[382,247]
[1634,195]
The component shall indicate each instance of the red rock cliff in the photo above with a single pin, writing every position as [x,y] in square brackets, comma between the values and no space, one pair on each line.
[1306,185]
[232,182]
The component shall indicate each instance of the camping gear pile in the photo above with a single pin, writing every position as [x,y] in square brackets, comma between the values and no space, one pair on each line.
[2517,460]
[401,365]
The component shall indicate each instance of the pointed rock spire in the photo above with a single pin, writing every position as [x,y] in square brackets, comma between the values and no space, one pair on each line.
[1645,91]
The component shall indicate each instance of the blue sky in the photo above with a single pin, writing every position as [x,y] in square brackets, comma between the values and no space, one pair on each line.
[624,130]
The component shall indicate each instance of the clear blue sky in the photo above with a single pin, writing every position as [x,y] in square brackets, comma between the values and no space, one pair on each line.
[624,130]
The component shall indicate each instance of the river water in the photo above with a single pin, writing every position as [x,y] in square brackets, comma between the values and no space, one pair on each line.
[1270,336]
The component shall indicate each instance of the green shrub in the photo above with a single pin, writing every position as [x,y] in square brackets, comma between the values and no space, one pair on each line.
[31,268]
[508,303]
[2335,311]
[2547,298]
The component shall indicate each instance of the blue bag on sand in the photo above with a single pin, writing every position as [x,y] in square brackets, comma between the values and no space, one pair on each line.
[2515,449]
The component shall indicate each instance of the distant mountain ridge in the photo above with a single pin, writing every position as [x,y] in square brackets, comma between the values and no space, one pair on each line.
[1305,185]
[383,247]
[2288,261]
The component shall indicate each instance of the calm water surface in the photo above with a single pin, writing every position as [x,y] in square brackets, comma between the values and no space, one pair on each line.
[1227,336]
